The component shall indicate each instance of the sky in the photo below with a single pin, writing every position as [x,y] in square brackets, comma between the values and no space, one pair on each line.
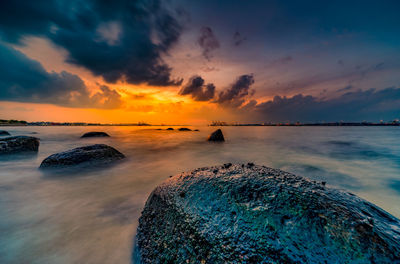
[193,62]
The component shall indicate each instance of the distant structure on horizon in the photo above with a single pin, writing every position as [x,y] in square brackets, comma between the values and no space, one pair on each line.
[364,123]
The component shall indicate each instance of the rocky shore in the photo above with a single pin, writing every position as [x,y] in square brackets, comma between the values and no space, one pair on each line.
[243,213]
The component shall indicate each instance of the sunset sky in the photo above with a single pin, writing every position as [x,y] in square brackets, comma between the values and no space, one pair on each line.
[196,61]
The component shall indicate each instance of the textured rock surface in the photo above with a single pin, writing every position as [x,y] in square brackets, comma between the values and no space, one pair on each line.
[184,129]
[98,154]
[95,134]
[216,136]
[255,214]
[18,144]
[4,133]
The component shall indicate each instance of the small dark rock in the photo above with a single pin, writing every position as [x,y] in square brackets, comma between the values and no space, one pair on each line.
[4,133]
[227,165]
[196,130]
[98,154]
[216,136]
[170,128]
[18,144]
[184,129]
[95,134]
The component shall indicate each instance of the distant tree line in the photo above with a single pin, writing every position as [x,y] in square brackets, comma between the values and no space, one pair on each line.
[13,122]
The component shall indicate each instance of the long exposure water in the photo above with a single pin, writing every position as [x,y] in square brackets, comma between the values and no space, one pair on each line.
[92,216]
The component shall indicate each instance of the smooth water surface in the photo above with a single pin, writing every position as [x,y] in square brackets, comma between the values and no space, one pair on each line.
[91,216]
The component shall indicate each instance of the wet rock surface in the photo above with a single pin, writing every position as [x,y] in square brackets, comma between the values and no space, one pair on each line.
[254,214]
[4,133]
[18,144]
[216,136]
[98,154]
[94,134]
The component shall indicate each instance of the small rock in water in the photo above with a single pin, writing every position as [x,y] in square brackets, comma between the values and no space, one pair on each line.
[95,134]
[184,129]
[4,133]
[255,214]
[216,136]
[98,154]
[18,144]
[227,165]
[170,128]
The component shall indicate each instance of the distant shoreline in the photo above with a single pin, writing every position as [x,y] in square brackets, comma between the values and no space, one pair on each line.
[8,123]
[241,125]
[319,124]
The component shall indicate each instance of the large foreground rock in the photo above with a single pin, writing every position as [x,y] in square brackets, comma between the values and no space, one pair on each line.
[98,154]
[18,144]
[255,214]
[216,136]
[95,134]
[4,133]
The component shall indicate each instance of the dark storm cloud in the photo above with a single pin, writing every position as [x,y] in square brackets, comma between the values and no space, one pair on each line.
[236,95]
[370,105]
[197,88]
[122,39]
[25,80]
[208,42]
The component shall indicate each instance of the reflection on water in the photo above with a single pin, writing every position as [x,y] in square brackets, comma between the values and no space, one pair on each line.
[91,216]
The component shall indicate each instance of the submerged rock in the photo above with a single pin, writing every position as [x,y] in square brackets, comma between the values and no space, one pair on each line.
[184,129]
[95,134]
[254,214]
[170,128]
[216,136]
[98,154]
[18,144]
[4,133]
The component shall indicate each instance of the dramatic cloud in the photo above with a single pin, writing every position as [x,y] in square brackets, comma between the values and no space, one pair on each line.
[236,95]
[208,42]
[198,90]
[370,105]
[119,39]
[25,80]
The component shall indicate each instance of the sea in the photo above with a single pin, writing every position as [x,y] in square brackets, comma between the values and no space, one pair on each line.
[91,215]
